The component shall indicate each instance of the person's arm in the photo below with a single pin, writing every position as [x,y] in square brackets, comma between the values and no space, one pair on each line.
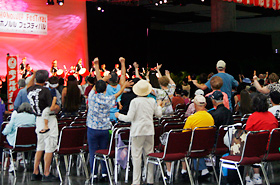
[10,125]
[123,71]
[97,71]
[158,109]
[158,70]
[259,88]
[167,73]
[63,94]
[200,86]
[136,67]
[32,81]
[125,85]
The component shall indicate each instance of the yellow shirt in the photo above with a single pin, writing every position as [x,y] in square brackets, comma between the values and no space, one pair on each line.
[199,119]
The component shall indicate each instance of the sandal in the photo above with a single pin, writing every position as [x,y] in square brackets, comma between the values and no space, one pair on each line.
[44,131]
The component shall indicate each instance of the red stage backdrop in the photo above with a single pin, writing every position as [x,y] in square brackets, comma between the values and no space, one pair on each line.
[61,33]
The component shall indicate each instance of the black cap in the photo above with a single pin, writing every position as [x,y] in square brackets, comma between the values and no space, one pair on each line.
[217,95]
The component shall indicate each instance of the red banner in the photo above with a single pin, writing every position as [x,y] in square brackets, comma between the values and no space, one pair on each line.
[275,4]
[11,79]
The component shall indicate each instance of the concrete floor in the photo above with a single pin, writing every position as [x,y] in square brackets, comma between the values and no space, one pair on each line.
[24,177]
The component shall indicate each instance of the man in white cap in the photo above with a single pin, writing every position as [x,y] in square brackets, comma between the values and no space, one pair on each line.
[191,108]
[228,81]
[199,119]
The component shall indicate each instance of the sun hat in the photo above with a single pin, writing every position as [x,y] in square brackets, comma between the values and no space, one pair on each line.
[142,88]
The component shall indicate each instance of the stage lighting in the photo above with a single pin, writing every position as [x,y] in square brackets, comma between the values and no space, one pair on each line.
[60,2]
[50,2]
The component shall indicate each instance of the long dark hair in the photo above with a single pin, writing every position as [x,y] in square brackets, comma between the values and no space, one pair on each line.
[245,102]
[73,97]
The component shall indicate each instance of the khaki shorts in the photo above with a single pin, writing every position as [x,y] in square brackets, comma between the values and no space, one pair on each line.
[48,141]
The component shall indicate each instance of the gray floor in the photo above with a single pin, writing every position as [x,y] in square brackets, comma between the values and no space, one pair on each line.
[24,177]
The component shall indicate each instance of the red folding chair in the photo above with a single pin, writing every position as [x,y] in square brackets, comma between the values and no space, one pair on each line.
[26,140]
[201,146]
[253,150]
[173,150]
[220,148]
[273,153]
[71,142]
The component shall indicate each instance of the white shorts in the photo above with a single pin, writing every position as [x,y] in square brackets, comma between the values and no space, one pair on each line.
[47,141]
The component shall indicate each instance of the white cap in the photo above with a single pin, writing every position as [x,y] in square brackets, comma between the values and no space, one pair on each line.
[199,92]
[221,64]
[199,100]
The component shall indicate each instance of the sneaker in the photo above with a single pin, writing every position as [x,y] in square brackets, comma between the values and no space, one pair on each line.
[204,178]
[248,181]
[35,177]
[11,168]
[50,178]
[257,179]
[104,178]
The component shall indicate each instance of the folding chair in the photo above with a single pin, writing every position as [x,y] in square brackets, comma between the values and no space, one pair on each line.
[78,123]
[181,107]
[220,148]
[201,146]
[171,125]
[26,140]
[272,153]
[254,148]
[71,142]
[2,143]
[173,150]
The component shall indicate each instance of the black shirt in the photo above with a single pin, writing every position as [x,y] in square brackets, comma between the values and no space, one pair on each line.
[222,116]
[125,101]
[39,98]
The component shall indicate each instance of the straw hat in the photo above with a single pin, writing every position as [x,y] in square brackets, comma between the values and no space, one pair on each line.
[142,88]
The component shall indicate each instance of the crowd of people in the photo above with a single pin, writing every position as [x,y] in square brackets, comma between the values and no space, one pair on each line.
[111,97]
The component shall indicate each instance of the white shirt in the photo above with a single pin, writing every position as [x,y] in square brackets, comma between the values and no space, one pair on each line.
[140,114]
[274,110]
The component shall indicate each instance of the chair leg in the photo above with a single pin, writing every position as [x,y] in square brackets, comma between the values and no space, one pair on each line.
[57,167]
[214,169]
[162,173]
[220,175]
[69,165]
[264,174]
[93,167]
[109,172]
[146,167]
[66,162]
[172,172]
[2,165]
[241,180]
[196,171]
[12,162]
[189,171]
[84,164]
[127,163]
[24,164]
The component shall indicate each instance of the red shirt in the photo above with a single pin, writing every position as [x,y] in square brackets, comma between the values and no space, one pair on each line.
[177,100]
[261,121]
[88,89]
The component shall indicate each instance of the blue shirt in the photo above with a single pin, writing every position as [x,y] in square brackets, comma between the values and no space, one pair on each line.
[228,83]
[111,91]
[18,120]
[2,110]
[99,105]
[21,98]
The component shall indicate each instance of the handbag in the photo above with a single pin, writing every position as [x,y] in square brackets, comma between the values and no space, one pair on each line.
[122,153]
[237,142]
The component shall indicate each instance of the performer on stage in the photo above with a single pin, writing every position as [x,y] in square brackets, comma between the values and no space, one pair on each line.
[104,71]
[79,66]
[54,68]
[27,72]
[22,67]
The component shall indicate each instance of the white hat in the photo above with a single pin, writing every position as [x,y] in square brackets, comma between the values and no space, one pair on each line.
[221,64]
[142,88]
[199,100]
[199,92]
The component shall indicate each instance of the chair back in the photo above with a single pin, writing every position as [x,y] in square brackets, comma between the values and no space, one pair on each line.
[202,141]
[220,148]
[274,141]
[255,143]
[181,107]
[171,125]
[71,139]
[26,136]
[3,137]
[78,123]
[177,141]
[80,118]
[158,129]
